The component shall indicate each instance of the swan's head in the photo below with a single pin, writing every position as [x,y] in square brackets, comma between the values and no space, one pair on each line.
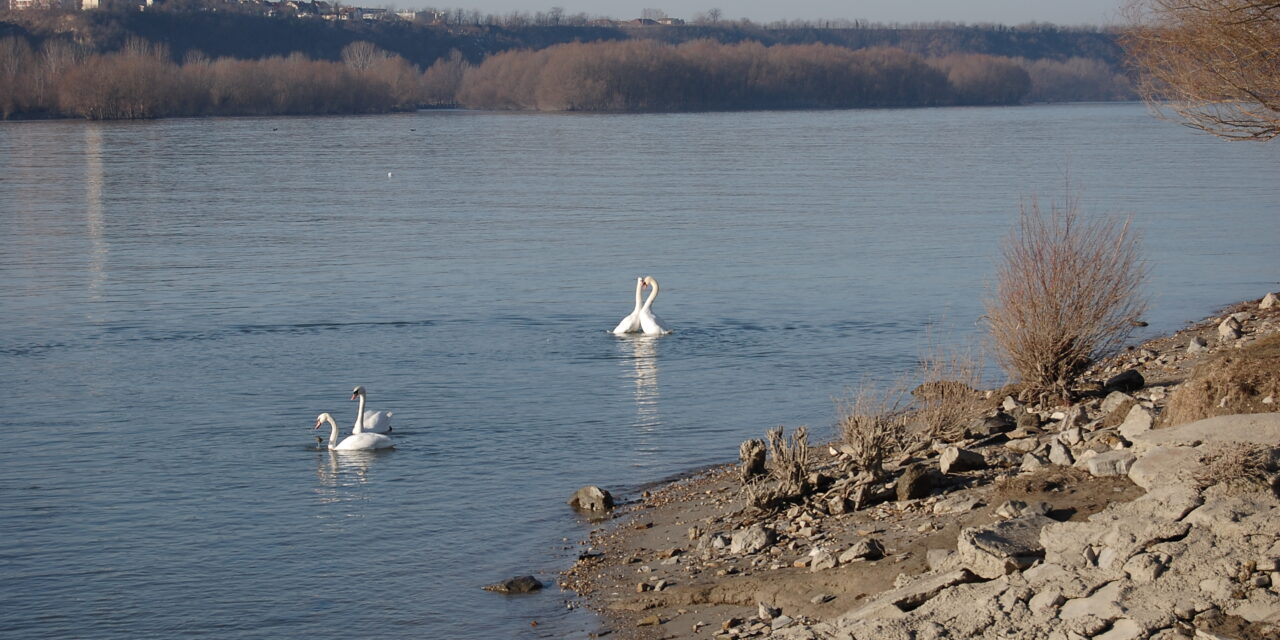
[323,418]
[649,281]
[357,392]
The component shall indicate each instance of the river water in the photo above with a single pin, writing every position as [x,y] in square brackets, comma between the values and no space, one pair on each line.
[180,298]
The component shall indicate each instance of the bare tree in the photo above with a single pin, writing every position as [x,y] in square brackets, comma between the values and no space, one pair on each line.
[362,55]
[1214,63]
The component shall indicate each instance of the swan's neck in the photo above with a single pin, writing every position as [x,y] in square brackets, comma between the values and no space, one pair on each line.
[359,428]
[653,295]
[333,434]
[639,287]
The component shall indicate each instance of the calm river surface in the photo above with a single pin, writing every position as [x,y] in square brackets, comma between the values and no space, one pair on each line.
[180,298]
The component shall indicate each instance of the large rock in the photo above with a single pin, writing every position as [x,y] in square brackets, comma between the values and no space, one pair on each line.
[1111,463]
[892,604]
[1060,455]
[1113,401]
[1248,428]
[592,498]
[998,549]
[956,459]
[753,539]
[1163,466]
[865,549]
[519,584]
[1268,301]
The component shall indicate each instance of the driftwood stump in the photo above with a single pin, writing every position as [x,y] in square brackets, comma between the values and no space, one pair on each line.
[751,457]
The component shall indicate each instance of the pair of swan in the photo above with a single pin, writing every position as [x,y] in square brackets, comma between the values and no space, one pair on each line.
[642,319]
[367,433]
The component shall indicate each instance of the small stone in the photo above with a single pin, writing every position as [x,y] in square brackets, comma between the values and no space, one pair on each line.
[752,539]
[519,584]
[1047,599]
[1113,401]
[955,459]
[781,622]
[591,498]
[1197,345]
[822,560]
[1023,445]
[1127,382]
[1060,455]
[649,621]
[914,483]
[821,598]
[1009,404]
[1138,421]
[1071,437]
[865,549]
[767,612]
[1229,330]
[1033,462]
[1111,463]
[1145,567]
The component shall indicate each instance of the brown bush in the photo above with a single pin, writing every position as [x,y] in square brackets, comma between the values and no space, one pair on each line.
[1241,468]
[1229,383]
[1067,294]
[873,425]
[948,397]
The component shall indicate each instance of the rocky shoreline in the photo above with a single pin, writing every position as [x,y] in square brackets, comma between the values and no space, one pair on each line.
[1071,522]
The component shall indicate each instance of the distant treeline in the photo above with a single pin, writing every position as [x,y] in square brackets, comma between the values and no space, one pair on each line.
[141,80]
[645,75]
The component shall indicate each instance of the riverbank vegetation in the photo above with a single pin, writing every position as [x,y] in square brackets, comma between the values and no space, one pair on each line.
[112,65]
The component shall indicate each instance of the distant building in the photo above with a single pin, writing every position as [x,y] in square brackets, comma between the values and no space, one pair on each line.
[670,22]
[642,22]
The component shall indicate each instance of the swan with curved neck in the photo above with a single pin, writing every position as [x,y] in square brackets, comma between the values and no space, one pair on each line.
[369,421]
[631,323]
[650,323]
[355,441]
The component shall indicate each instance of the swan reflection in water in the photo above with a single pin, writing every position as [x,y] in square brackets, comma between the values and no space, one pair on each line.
[336,469]
[644,374]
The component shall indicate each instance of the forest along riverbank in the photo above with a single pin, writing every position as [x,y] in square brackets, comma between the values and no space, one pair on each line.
[1146,510]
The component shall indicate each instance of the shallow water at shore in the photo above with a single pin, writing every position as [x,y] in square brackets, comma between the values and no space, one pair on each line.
[180,299]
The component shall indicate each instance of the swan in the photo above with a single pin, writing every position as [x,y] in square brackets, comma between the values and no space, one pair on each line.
[355,441]
[631,323]
[369,421]
[651,324]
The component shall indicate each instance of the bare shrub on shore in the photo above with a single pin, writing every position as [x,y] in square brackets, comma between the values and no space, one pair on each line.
[1241,468]
[1067,294]
[948,397]
[873,427]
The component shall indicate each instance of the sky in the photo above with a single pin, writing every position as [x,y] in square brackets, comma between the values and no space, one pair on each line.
[1009,12]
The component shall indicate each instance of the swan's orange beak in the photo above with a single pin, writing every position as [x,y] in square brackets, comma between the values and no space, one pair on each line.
[354,396]
[318,423]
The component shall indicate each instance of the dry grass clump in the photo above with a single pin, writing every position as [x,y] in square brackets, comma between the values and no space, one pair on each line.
[1241,468]
[873,425]
[948,398]
[1067,294]
[1233,382]
[787,470]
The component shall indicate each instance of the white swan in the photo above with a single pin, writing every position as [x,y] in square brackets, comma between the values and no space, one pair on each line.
[369,421]
[651,324]
[631,323]
[355,441]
